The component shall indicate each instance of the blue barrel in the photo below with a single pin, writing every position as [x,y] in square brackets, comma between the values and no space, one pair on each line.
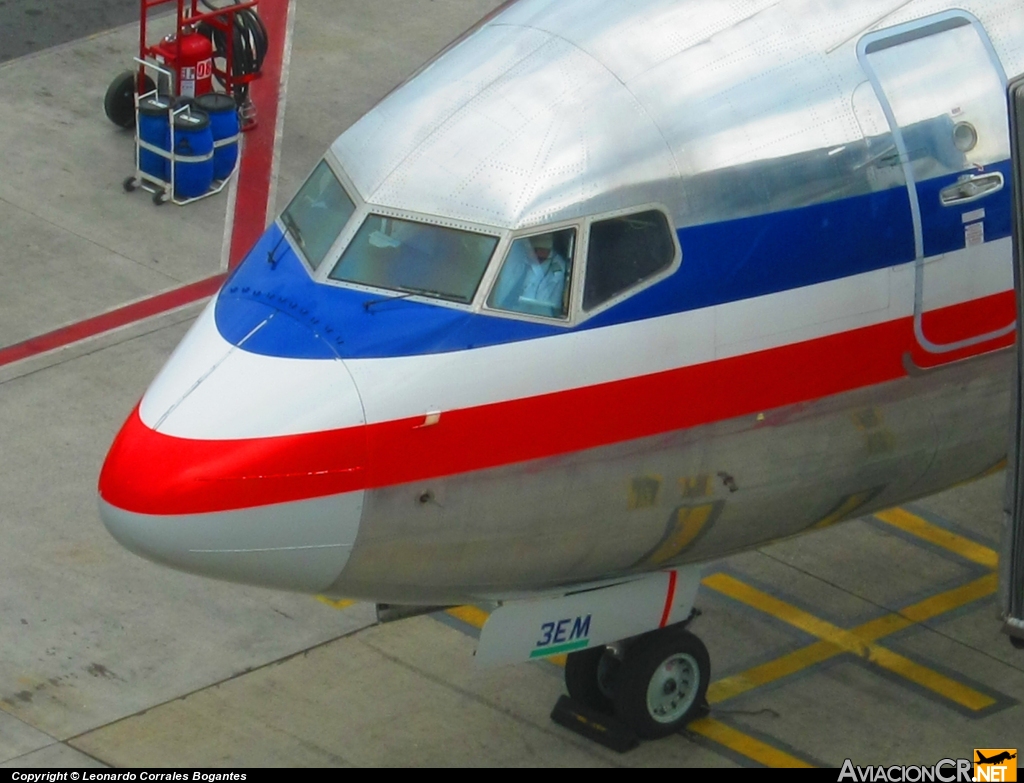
[193,154]
[154,128]
[224,123]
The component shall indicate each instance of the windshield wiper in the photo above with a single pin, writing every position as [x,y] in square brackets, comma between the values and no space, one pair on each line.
[407,293]
[441,295]
[272,255]
[293,228]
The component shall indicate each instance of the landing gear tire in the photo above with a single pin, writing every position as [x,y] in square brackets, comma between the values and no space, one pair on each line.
[590,677]
[1017,642]
[662,683]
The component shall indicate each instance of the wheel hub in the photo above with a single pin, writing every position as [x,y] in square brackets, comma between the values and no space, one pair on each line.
[672,688]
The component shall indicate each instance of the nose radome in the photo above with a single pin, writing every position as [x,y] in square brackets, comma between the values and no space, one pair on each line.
[241,466]
[301,546]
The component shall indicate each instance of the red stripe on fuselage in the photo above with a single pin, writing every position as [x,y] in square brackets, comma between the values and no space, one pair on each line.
[670,598]
[147,472]
[962,321]
[150,473]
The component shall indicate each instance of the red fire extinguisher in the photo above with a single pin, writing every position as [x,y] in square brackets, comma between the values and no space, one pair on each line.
[227,42]
[195,65]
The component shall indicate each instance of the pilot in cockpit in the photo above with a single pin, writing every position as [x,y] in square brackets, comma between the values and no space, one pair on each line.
[533,278]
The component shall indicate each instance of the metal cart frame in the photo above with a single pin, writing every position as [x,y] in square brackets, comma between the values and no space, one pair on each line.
[163,190]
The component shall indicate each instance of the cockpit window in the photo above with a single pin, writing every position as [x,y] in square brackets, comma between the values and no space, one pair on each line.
[625,251]
[536,274]
[417,258]
[318,213]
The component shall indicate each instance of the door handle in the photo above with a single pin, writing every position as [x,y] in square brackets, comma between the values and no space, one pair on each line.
[971,187]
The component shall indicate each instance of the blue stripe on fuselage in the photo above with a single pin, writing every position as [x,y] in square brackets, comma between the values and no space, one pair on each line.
[722,262]
[944,226]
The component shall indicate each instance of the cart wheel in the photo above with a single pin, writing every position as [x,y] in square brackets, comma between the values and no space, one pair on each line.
[130,184]
[160,197]
[119,102]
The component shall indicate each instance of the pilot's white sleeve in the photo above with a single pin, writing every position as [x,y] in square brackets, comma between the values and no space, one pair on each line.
[551,288]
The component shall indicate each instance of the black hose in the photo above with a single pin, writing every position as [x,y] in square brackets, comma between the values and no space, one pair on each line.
[249,47]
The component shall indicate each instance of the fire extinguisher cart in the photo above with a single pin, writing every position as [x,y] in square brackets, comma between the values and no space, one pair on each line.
[164,185]
[176,148]
[226,43]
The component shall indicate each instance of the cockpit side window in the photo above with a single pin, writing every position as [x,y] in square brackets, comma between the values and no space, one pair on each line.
[416,258]
[318,213]
[624,252]
[535,278]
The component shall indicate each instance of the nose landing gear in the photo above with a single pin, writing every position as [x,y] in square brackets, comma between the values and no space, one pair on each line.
[647,686]
[655,683]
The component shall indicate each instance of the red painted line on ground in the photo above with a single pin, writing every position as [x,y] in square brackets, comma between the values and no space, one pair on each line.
[669,599]
[254,171]
[249,222]
[114,319]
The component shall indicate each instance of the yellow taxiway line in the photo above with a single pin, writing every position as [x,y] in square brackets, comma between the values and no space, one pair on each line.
[926,531]
[844,641]
[744,744]
[335,603]
[859,640]
[791,663]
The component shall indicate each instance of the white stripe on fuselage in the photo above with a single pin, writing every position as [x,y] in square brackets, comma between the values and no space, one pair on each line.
[271,396]
[245,395]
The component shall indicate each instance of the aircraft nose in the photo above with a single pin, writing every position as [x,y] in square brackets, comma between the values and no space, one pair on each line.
[303,547]
[234,467]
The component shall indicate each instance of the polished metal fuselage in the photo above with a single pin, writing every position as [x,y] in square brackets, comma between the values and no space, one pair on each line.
[557,111]
[562,109]
[683,497]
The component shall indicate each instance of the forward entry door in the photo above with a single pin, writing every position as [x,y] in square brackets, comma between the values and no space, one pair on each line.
[943,91]
[1011,557]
